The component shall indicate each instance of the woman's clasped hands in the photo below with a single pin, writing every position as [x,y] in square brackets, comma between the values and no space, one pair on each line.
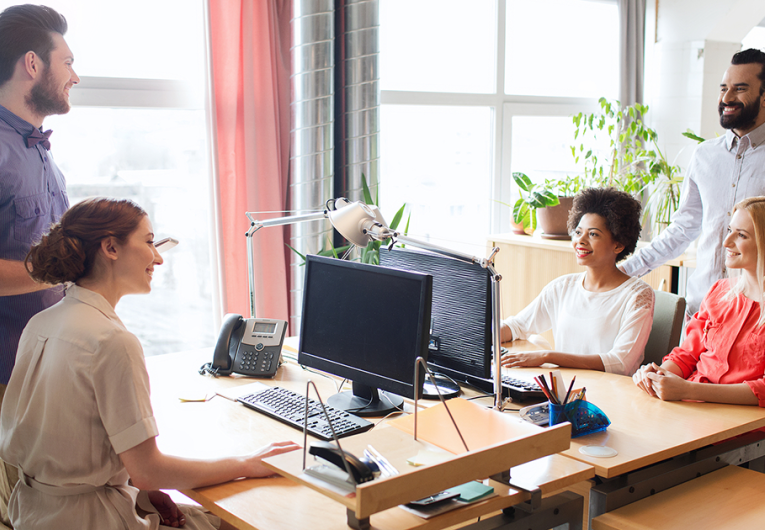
[661,383]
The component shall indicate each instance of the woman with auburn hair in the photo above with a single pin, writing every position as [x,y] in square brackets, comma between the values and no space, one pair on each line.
[722,358]
[77,419]
[601,318]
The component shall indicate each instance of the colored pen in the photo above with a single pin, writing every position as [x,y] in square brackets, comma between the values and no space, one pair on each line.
[554,387]
[543,386]
[547,390]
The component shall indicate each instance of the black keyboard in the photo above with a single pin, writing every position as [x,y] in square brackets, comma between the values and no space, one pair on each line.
[289,407]
[520,389]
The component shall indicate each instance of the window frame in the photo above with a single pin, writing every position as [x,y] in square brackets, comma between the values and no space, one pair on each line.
[504,107]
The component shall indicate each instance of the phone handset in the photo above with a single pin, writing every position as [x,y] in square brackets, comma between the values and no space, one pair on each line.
[225,347]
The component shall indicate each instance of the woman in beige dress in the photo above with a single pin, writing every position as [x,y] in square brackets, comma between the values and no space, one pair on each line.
[77,419]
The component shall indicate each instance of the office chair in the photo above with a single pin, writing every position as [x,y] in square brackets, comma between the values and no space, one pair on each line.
[668,316]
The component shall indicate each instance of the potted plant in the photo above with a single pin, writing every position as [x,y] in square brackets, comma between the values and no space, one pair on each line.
[553,220]
[545,204]
[633,161]
[532,197]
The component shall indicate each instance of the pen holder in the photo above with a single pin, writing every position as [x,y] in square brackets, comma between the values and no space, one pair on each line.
[585,418]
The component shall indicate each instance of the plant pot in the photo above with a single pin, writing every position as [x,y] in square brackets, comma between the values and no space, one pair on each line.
[553,220]
[517,228]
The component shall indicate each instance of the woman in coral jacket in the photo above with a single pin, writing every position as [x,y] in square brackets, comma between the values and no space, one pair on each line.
[722,359]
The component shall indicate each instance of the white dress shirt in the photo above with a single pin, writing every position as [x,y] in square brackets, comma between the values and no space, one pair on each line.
[723,172]
[614,324]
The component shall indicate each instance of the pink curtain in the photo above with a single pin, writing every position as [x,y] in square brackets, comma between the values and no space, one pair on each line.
[250,58]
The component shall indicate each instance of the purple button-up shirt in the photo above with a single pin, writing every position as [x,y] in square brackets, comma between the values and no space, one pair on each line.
[32,196]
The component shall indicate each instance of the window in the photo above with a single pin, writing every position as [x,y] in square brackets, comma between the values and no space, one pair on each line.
[470,95]
[137,130]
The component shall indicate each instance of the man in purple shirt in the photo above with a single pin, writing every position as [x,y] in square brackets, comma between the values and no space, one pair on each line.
[35,77]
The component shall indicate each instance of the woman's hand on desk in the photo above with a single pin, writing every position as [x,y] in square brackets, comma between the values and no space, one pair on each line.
[667,386]
[641,379]
[255,467]
[524,358]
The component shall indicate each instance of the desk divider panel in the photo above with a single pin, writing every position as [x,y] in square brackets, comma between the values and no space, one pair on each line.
[525,442]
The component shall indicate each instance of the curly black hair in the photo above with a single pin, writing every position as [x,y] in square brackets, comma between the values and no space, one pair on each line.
[620,210]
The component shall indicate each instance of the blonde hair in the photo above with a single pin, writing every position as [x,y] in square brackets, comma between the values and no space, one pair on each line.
[755,207]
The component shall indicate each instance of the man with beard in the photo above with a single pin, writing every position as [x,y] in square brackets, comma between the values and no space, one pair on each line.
[722,172]
[35,77]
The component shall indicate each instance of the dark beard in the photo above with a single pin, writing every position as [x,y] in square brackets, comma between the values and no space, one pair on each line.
[744,120]
[45,99]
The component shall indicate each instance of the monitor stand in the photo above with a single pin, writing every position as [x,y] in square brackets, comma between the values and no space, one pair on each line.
[366,401]
[446,385]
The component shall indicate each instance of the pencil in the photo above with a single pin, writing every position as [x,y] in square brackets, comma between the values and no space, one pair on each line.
[550,393]
[543,386]
[554,387]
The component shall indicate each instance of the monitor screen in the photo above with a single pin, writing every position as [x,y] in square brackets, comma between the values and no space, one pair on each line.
[367,324]
[461,329]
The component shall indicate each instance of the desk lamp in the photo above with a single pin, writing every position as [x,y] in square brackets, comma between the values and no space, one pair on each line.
[362,223]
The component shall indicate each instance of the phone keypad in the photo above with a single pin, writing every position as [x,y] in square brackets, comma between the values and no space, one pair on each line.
[253,361]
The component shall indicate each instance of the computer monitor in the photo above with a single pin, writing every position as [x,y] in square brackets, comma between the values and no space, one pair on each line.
[367,324]
[461,330]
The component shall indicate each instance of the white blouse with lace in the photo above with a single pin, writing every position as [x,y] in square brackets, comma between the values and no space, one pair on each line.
[614,324]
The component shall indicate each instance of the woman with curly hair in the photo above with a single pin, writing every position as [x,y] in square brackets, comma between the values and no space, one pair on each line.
[601,318]
[721,359]
[77,420]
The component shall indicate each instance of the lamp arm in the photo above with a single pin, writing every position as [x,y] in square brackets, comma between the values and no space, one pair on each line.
[381,232]
[256,225]
[287,220]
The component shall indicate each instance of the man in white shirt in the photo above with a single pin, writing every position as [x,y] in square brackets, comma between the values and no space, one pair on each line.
[722,172]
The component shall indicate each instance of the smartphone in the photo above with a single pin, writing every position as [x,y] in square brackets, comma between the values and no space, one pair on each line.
[165,244]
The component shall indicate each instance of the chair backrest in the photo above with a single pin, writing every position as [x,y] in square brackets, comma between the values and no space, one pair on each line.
[668,316]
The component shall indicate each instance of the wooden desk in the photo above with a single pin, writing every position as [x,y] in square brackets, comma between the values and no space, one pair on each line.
[646,430]
[220,427]
[727,498]
[660,444]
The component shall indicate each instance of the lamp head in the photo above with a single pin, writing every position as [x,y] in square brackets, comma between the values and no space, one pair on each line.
[354,219]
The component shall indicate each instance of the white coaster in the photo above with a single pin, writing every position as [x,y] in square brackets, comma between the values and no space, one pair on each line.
[598,451]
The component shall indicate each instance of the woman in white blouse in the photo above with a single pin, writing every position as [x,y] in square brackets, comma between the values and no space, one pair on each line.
[77,419]
[601,318]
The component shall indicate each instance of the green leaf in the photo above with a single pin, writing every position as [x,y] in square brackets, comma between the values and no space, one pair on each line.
[302,256]
[397,218]
[523,181]
[365,188]
[693,136]
[520,210]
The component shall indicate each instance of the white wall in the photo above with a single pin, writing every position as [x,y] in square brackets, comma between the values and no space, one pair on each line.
[688,47]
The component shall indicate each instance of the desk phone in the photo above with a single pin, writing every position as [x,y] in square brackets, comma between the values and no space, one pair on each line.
[251,346]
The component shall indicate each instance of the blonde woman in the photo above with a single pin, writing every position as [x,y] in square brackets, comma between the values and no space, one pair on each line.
[722,359]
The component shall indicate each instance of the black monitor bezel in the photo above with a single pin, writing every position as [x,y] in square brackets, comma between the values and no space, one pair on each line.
[357,374]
